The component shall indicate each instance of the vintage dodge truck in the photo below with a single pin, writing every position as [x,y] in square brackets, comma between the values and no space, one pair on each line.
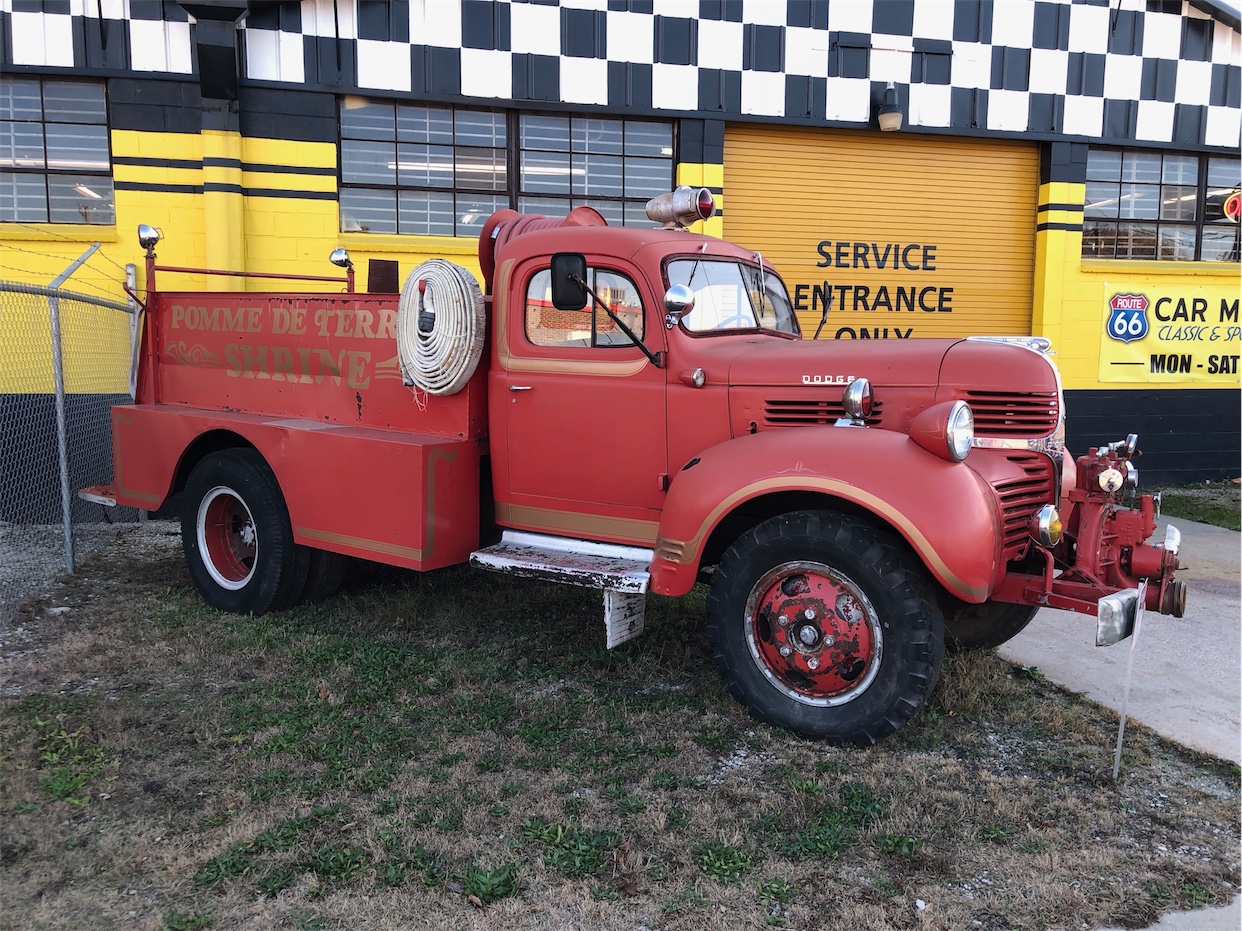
[635,409]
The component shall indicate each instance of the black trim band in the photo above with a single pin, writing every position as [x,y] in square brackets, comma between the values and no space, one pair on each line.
[215,187]
[296,195]
[211,161]
[288,169]
[156,162]
[157,188]
[1073,208]
[1068,227]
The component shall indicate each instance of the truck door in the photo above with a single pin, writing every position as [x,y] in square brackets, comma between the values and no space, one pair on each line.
[584,409]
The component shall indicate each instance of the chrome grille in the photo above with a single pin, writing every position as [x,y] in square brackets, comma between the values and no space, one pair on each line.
[1022,497]
[810,411]
[1014,413]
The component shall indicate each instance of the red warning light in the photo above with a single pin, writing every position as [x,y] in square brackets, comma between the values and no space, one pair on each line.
[1233,206]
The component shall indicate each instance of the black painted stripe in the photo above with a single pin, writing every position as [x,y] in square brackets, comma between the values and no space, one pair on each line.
[1068,227]
[287,169]
[215,187]
[265,167]
[297,195]
[1073,208]
[156,162]
[158,188]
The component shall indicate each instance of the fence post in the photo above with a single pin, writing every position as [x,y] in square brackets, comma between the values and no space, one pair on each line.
[58,376]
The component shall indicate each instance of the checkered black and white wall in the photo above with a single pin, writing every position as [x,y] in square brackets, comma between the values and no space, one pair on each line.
[1156,71]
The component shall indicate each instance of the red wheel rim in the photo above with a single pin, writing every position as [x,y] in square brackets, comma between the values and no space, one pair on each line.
[813,633]
[227,538]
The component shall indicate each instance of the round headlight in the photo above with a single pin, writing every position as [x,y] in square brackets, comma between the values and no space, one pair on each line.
[1046,526]
[857,399]
[961,430]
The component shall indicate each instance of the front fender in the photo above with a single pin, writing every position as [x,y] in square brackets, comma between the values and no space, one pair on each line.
[943,509]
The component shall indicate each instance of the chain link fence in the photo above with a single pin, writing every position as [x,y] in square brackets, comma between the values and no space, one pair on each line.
[64,361]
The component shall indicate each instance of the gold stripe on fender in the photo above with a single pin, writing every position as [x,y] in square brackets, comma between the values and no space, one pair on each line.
[371,546]
[590,526]
[849,492]
[510,363]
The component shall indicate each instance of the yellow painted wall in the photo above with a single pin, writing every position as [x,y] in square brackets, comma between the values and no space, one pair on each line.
[1198,302]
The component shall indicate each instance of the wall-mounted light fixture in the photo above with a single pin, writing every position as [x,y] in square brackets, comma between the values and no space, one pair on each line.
[890,110]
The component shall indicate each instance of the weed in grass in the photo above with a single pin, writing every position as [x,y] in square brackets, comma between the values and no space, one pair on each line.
[389,805]
[451,821]
[860,803]
[678,818]
[392,873]
[663,780]
[570,850]
[338,862]
[26,808]
[996,833]
[713,738]
[231,864]
[687,899]
[777,890]
[276,881]
[823,839]
[1034,846]
[186,921]
[902,844]
[722,862]
[574,806]
[497,811]
[490,885]
[307,920]
[69,759]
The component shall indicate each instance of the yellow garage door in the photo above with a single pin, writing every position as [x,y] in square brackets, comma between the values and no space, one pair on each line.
[901,236]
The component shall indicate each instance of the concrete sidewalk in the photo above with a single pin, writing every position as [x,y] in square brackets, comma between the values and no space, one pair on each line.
[1187,683]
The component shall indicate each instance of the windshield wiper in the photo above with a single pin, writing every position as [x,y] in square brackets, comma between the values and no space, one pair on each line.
[653,356]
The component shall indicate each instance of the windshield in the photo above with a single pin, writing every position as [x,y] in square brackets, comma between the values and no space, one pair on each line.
[731,295]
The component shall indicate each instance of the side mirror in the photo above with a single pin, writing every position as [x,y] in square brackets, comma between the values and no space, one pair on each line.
[567,293]
[678,300]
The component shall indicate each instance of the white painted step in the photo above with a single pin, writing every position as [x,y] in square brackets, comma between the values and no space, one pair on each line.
[620,571]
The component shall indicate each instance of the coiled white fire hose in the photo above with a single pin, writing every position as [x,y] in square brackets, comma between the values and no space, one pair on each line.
[441,326]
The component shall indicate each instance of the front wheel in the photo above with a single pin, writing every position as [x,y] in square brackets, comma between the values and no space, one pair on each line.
[236,535]
[822,624]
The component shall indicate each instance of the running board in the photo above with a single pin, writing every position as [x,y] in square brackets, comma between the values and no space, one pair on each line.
[99,494]
[620,571]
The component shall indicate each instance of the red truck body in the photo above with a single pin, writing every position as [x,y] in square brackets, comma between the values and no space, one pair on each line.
[692,453]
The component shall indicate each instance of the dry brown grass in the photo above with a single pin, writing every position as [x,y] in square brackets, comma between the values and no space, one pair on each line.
[375,761]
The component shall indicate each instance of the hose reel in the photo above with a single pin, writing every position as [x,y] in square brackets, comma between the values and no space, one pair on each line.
[441,326]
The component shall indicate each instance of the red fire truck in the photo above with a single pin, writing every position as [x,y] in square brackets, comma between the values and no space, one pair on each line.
[635,410]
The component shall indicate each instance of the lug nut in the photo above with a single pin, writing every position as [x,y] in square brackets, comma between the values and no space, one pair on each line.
[786,650]
[813,663]
[829,640]
[783,621]
[810,614]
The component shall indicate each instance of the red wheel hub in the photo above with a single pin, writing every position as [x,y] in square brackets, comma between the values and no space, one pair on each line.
[227,538]
[814,633]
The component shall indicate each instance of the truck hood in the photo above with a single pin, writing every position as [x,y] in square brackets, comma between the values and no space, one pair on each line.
[812,363]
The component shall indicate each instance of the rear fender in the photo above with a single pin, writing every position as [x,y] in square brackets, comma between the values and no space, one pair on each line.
[943,509]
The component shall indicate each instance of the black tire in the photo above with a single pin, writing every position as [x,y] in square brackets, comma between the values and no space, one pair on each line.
[324,577]
[236,535]
[864,659]
[982,627]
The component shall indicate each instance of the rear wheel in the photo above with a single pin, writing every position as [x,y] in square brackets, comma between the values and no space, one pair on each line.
[324,577]
[982,627]
[236,535]
[822,624]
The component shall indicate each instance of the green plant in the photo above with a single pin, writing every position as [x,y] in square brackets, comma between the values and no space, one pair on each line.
[570,850]
[339,862]
[902,844]
[490,885]
[996,833]
[777,890]
[722,862]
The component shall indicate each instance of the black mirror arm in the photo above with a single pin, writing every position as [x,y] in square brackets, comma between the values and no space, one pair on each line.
[824,318]
[654,357]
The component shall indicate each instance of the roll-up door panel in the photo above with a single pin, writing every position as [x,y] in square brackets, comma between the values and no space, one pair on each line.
[912,236]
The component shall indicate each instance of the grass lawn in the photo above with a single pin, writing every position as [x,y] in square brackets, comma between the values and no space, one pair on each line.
[458,750]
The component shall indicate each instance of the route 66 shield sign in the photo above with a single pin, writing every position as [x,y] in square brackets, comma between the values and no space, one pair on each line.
[1127,320]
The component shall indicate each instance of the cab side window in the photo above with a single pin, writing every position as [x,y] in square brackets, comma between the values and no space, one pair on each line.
[547,326]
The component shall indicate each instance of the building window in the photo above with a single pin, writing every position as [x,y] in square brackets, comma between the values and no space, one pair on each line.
[430,171]
[1142,204]
[615,166]
[55,163]
[442,171]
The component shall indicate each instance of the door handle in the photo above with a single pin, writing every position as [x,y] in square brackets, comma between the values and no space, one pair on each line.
[519,387]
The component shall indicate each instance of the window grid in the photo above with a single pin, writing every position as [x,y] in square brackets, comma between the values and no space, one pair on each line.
[442,171]
[55,153]
[1143,204]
